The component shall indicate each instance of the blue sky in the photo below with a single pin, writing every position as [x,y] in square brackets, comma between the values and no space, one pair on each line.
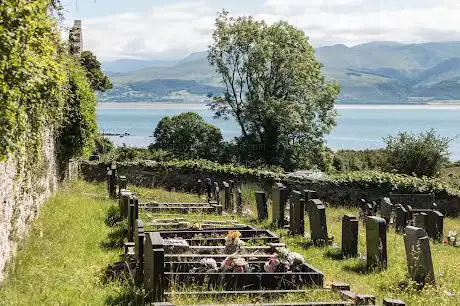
[160,29]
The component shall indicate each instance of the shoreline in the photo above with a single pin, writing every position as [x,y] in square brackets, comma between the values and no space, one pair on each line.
[201,106]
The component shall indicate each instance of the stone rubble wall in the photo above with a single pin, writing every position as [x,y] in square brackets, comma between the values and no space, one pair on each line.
[185,179]
[22,193]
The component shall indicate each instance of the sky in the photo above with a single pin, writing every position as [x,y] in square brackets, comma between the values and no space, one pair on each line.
[171,29]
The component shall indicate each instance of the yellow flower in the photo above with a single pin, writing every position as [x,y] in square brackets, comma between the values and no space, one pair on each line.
[233,234]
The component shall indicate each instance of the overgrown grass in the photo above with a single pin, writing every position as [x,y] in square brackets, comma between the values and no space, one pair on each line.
[390,283]
[62,260]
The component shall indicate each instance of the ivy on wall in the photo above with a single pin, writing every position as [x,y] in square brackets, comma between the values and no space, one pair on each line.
[41,86]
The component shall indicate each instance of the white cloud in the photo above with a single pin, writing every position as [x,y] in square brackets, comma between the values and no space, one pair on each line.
[174,30]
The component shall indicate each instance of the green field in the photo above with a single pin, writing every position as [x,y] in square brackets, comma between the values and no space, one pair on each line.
[62,261]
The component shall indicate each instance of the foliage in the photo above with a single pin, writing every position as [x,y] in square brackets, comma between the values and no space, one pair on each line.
[93,69]
[273,88]
[125,153]
[420,155]
[78,134]
[103,145]
[31,77]
[187,135]
[350,160]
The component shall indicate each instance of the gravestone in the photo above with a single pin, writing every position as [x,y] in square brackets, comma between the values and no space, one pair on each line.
[131,218]
[216,191]
[297,219]
[401,219]
[376,242]
[209,189]
[239,202]
[113,181]
[420,220]
[418,254]
[122,183]
[349,236]
[139,250]
[124,203]
[227,201]
[318,224]
[153,267]
[386,208]
[279,204]
[309,195]
[435,225]
[262,210]
[109,179]
[231,183]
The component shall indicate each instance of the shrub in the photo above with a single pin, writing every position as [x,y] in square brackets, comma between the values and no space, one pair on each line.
[350,160]
[188,136]
[103,145]
[421,155]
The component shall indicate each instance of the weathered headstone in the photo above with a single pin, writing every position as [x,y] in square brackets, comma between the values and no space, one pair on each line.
[217,193]
[109,179]
[401,219]
[386,208]
[131,221]
[231,184]
[153,267]
[239,202]
[279,204]
[261,200]
[227,196]
[308,195]
[124,203]
[376,242]
[435,225]
[139,250]
[297,219]
[113,181]
[122,183]
[318,224]
[209,189]
[420,219]
[349,236]
[418,254]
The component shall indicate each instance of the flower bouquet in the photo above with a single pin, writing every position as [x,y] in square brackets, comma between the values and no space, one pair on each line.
[235,264]
[233,243]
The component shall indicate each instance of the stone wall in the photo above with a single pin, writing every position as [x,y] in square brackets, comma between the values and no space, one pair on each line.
[21,194]
[344,194]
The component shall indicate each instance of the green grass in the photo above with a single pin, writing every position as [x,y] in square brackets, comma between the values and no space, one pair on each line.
[62,260]
[389,283]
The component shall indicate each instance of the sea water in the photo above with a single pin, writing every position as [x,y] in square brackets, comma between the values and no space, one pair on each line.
[358,126]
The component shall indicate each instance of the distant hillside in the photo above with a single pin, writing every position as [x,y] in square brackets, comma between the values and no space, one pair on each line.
[376,72]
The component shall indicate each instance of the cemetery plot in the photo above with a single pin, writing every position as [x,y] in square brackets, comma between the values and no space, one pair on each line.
[183,224]
[155,207]
[256,268]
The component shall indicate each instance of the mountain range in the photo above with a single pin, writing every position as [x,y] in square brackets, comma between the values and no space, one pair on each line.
[376,72]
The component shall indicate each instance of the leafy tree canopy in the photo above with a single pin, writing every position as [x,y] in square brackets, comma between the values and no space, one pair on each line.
[274,88]
[420,155]
[99,81]
[188,136]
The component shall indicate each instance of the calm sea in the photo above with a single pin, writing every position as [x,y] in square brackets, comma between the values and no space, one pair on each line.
[358,126]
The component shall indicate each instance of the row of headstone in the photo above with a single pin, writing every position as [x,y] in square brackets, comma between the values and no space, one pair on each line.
[232,196]
[432,221]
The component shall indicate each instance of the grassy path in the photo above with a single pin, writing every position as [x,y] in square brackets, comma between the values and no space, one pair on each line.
[61,261]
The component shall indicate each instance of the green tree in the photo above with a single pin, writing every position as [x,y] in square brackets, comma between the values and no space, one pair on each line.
[274,89]
[99,81]
[188,136]
[421,155]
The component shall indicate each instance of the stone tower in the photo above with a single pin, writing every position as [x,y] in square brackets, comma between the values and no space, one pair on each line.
[76,38]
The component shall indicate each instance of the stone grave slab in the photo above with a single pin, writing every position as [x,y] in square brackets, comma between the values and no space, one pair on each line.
[418,254]
[349,236]
[318,223]
[376,242]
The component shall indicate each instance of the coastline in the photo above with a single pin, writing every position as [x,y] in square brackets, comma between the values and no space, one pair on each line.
[201,106]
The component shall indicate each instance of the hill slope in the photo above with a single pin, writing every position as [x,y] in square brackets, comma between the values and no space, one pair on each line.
[376,72]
